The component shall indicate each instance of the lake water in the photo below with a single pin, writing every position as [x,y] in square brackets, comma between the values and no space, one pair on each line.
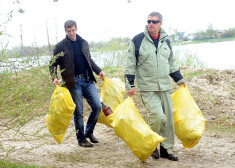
[220,55]
[18,64]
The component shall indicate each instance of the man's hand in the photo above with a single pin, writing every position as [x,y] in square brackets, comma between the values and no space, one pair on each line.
[131,92]
[102,75]
[56,82]
[183,83]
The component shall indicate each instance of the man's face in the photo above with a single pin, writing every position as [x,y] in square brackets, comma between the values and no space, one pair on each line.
[154,28]
[71,32]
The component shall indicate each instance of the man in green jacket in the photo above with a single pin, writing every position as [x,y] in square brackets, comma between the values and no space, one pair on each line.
[150,59]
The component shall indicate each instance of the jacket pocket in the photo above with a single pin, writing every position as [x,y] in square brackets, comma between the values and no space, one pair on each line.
[146,64]
[165,51]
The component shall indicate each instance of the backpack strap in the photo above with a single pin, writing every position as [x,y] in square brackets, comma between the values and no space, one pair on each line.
[168,43]
[137,42]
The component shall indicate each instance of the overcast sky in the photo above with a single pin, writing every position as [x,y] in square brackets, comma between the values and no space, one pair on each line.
[99,20]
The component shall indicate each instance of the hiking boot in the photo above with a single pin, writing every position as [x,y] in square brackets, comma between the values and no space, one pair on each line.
[164,154]
[155,154]
[92,138]
[85,144]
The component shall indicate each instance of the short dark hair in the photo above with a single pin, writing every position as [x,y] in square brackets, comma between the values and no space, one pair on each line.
[157,14]
[69,24]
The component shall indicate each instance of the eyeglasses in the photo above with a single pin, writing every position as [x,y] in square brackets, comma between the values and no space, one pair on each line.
[153,21]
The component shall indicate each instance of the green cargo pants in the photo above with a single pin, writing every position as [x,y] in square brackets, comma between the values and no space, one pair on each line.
[160,107]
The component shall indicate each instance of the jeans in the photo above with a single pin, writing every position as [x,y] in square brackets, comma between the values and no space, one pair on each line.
[87,90]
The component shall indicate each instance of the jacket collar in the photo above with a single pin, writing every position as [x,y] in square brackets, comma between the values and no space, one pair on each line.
[77,38]
[162,33]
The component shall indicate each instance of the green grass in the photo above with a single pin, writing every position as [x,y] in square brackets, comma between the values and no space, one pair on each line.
[9,164]
[24,96]
[114,72]
[191,75]
[188,59]
[220,128]
[92,157]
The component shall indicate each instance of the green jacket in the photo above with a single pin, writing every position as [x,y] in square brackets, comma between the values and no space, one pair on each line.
[153,71]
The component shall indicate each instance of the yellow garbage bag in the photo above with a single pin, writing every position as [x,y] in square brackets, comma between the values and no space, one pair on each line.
[129,125]
[188,120]
[60,113]
[112,93]
[126,121]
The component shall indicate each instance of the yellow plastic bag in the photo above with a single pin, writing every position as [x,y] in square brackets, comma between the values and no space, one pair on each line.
[60,113]
[112,93]
[188,119]
[126,121]
[129,125]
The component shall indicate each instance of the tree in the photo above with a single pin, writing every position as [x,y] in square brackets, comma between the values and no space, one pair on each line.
[199,35]
[228,33]
[48,38]
[210,32]
[5,18]
[21,37]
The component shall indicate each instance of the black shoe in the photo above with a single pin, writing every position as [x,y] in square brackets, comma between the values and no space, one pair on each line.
[172,157]
[92,138]
[164,154]
[85,144]
[155,154]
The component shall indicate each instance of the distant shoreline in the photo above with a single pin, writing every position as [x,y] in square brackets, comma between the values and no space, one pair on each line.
[215,40]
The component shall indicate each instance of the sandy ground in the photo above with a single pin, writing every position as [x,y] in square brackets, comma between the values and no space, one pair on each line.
[32,145]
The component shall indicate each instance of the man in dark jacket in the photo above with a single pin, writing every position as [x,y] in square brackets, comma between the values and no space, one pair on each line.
[76,66]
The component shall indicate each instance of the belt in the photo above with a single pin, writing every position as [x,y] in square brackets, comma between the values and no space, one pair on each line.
[80,76]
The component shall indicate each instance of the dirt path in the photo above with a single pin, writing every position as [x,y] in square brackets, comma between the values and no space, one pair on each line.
[36,147]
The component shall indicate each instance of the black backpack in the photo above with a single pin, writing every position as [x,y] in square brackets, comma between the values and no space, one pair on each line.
[137,40]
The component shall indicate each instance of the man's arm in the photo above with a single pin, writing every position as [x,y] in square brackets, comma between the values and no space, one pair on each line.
[177,77]
[95,67]
[174,70]
[130,69]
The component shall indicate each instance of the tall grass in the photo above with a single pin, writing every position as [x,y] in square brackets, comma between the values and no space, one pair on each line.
[110,58]
[24,96]
[111,55]
[188,59]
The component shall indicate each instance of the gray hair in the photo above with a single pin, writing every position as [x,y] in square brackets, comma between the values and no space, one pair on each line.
[157,14]
[69,24]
